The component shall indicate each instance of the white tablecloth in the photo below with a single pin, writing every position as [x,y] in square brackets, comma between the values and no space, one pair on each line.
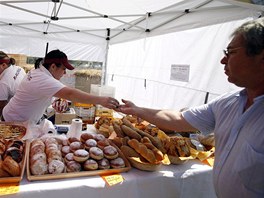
[192,179]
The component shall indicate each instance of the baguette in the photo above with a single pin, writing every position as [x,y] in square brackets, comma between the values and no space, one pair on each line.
[142,150]
[127,122]
[130,132]
[128,151]
[118,130]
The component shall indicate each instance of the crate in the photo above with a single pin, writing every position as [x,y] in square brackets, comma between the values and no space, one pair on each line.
[65,118]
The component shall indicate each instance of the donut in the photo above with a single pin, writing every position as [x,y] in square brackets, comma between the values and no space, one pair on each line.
[86,136]
[75,146]
[96,153]
[90,164]
[68,157]
[110,152]
[80,155]
[56,167]
[73,166]
[117,163]
[103,164]
[98,137]
[65,150]
[103,143]
[90,143]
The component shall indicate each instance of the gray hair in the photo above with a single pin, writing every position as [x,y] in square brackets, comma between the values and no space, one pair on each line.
[253,34]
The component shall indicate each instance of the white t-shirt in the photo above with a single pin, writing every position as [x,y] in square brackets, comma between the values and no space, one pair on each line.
[32,97]
[10,79]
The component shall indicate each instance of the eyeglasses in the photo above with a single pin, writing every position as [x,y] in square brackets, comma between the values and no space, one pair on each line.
[229,51]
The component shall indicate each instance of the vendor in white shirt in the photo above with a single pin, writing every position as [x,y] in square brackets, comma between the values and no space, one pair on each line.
[41,84]
[10,78]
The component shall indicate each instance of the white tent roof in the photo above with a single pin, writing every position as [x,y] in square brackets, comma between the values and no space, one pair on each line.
[82,24]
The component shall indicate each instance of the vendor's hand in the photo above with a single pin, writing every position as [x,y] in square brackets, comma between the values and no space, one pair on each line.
[60,105]
[127,108]
[110,103]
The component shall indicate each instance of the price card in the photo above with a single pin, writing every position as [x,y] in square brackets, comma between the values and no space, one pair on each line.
[7,189]
[113,179]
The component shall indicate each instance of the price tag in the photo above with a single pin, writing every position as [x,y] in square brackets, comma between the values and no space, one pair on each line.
[113,179]
[7,189]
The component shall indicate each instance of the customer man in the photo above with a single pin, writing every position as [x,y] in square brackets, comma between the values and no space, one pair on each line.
[237,118]
[10,77]
[35,93]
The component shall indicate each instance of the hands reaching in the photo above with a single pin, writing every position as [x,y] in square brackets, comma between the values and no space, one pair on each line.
[60,105]
[128,107]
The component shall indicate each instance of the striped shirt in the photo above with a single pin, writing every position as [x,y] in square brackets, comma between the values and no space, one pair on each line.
[239,140]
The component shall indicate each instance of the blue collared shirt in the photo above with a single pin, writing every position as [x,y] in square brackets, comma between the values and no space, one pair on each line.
[239,141]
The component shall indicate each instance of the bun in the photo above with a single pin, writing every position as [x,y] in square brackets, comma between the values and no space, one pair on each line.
[86,136]
[90,164]
[75,146]
[103,143]
[56,167]
[103,164]
[90,143]
[39,167]
[11,166]
[117,163]
[73,166]
[110,152]
[96,153]
[80,155]
[68,157]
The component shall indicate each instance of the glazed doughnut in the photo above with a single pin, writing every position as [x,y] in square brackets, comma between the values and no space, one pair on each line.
[103,143]
[90,164]
[96,153]
[73,166]
[117,163]
[86,136]
[103,164]
[110,152]
[90,143]
[80,155]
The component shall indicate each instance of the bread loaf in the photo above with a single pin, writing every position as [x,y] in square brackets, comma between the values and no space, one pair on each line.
[130,132]
[142,150]
[118,130]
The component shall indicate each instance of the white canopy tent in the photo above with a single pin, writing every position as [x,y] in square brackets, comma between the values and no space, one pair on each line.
[86,29]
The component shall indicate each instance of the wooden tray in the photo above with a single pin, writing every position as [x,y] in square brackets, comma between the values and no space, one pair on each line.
[5,180]
[31,177]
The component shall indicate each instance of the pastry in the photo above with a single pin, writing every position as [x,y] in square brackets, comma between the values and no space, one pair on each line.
[117,163]
[80,155]
[90,143]
[103,164]
[39,167]
[56,167]
[98,137]
[11,166]
[86,136]
[75,146]
[65,150]
[15,153]
[68,157]
[103,143]
[90,164]
[73,166]
[110,152]
[96,153]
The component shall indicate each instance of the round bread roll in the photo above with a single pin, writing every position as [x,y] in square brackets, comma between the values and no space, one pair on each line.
[37,148]
[90,143]
[56,167]
[75,146]
[96,153]
[90,164]
[68,157]
[73,166]
[65,150]
[11,166]
[86,136]
[117,163]
[38,156]
[80,155]
[39,167]
[103,164]
[110,152]
[103,143]
[98,137]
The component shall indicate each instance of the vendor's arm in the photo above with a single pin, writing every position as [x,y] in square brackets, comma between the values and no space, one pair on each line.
[165,119]
[2,105]
[76,95]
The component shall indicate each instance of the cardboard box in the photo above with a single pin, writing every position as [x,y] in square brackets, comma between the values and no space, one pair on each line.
[65,118]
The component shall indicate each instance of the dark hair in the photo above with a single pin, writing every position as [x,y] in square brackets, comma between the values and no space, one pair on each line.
[253,34]
[12,61]
[51,55]
[3,55]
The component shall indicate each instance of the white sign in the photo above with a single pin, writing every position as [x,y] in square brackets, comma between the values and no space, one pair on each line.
[180,72]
